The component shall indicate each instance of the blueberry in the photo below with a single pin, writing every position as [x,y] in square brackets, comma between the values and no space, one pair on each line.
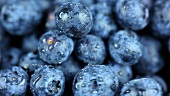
[69,67]
[132,14]
[90,49]
[160,18]
[13,81]
[74,19]
[47,81]
[124,47]
[95,80]
[161,81]
[30,43]
[55,48]
[103,22]
[141,87]
[11,57]
[19,18]
[30,62]
[151,60]
[124,73]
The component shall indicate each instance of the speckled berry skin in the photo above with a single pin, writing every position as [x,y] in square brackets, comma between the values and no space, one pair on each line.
[95,80]
[161,81]
[141,87]
[74,19]
[55,48]
[47,81]
[160,20]
[124,47]
[132,14]
[90,49]
[13,81]
[20,18]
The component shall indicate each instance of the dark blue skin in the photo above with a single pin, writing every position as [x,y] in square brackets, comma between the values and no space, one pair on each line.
[95,80]
[90,49]
[132,14]
[141,87]
[161,81]
[20,18]
[47,81]
[69,67]
[30,43]
[13,81]
[103,23]
[30,62]
[55,48]
[124,47]
[74,19]
[11,57]
[160,18]
[151,61]
[124,73]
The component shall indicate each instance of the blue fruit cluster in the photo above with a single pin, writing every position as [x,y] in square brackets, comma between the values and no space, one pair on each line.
[84,47]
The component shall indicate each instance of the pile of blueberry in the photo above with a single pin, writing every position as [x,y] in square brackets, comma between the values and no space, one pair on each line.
[84,47]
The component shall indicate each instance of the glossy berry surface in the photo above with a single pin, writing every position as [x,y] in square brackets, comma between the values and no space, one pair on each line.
[55,48]
[95,80]
[13,81]
[74,19]
[124,47]
[129,37]
[47,81]
[132,14]
[161,82]
[141,87]
[90,49]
